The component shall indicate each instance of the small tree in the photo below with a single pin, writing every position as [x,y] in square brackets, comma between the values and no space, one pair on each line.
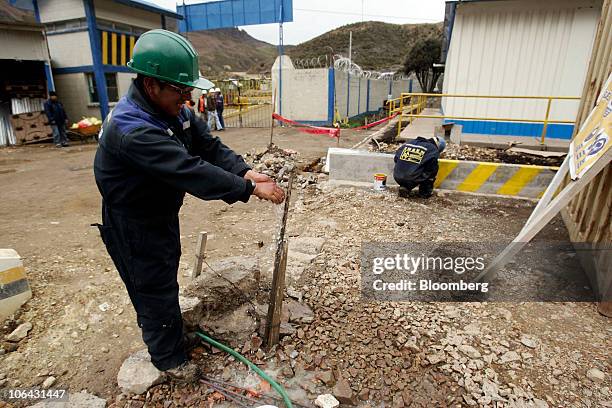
[420,60]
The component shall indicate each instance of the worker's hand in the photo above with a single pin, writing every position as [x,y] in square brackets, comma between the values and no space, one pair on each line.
[256,177]
[269,191]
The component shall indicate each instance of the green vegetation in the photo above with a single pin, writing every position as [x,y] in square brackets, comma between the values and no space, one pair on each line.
[376,45]
[420,60]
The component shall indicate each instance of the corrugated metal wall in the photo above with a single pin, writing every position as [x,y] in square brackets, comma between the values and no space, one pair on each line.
[588,216]
[519,48]
[22,45]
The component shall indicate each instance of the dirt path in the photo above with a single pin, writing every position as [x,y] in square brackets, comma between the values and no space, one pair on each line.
[84,325]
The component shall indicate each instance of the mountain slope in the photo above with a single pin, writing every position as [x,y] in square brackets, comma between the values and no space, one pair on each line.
[232,49]
[376,45]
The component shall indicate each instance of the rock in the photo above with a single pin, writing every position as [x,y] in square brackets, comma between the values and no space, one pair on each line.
[20,332]
[306,245]
[192,310]
[540,403]
[528,342]
[298,312]
[343,392]
[596,375]
[239,281]
[75,400]
[48,383]
[510,356]
[326,401]
[469,351]
[234,326]
[137,374]
[435,358]
[326,377]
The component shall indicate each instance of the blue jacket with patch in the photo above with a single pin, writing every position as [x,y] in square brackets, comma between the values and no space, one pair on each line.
[416,161]
[146,162]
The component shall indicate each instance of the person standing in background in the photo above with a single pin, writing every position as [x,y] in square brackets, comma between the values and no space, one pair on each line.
[219,102]
[57,119]
[213,119]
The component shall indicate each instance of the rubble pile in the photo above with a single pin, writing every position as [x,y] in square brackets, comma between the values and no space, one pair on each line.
[484,154]
[271,160]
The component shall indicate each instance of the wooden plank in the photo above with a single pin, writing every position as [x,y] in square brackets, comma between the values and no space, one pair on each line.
[278,278]
[200,254]
[276,299]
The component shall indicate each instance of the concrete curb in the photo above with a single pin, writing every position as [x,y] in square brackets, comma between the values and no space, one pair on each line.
[14,287]
[465,176]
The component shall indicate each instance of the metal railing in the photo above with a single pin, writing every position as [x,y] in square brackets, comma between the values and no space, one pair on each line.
[408,103]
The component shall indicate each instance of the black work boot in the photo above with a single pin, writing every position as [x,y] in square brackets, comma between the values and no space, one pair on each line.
[188,372]
[191,340]
[403,192]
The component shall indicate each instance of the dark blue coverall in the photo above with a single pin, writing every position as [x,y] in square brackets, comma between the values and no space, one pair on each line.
[144,165]
[416,164]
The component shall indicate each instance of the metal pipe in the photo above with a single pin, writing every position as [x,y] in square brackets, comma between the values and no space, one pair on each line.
[546,121]
[576,98]
[487,119]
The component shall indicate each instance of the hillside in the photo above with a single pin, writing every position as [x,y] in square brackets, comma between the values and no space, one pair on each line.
[376,45]
[232,49]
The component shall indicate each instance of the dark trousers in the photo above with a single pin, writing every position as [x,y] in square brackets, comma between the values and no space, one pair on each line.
[220,114]
[425,187]
[146,252]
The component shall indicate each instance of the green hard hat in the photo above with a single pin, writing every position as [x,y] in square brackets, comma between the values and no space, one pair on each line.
[167,56]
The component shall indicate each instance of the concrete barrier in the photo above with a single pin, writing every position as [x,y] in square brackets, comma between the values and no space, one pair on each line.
[14,287]
[477,177]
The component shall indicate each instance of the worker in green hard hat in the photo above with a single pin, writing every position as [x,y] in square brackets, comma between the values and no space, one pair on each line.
[152,150]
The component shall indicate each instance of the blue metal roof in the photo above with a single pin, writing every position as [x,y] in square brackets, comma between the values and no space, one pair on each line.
[149,6]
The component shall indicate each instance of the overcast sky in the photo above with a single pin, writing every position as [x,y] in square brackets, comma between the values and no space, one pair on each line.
[314,17]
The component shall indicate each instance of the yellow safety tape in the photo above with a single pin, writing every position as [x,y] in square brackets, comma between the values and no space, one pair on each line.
[516,183]
[477,177]
[446,168]
[12,275]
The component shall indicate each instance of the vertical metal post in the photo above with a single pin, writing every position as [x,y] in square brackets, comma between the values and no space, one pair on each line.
[401,112]
[96,54]
[546,121]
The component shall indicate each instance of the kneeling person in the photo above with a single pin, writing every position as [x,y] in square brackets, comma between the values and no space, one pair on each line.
[416,164]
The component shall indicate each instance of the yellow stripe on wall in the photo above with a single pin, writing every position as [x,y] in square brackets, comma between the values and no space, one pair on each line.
[446,168]
[114,48]
[12,275]
[519,180]
[104,47]
[132,42]
[123,61]
[477,177]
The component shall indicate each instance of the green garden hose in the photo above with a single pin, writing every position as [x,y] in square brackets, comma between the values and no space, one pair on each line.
[252,366]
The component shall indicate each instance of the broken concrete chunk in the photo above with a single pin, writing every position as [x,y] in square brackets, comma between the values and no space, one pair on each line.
[326,401]
[137,374]
[191,309]
[234,327]
[20,332]
[236,280]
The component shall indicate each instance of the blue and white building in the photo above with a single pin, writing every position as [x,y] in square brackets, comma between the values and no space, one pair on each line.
[90,42]
[517,47]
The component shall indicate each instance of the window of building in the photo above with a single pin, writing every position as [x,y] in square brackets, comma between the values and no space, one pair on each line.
[111,87]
